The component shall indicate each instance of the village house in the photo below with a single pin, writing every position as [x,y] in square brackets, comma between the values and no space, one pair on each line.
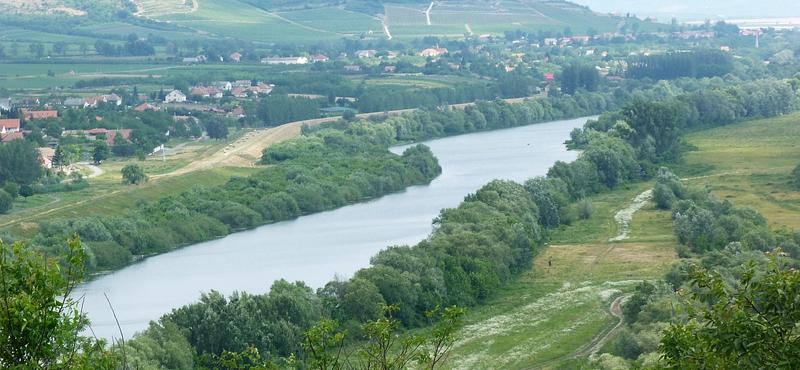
[75,103]
[319,58]
[550,42]
[206,92]
[9,125]
[261,89]
[46,157]
[237,112]
[239,92]
[235,56]
[145,107]
[433,52]
[285,60]
[581,39]
[352,68]
[111,99]
[11,136]
[175,96]
[390,69]
[361,54]
[223,85]
[39,114]
[111,135]
[242,84]
[195,60]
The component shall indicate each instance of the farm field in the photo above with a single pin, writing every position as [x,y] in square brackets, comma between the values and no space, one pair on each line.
[556,310]
[232,18]
[749,163]
[106,194]
[335,20]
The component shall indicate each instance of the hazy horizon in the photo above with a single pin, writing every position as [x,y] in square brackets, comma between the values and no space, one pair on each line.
[692,10]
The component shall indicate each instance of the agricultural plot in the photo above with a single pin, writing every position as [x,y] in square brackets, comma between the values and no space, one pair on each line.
[155,8]
[335,20]
[236,19]
[749,163]
[450,18]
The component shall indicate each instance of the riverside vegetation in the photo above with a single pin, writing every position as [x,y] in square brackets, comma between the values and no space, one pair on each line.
[474,249]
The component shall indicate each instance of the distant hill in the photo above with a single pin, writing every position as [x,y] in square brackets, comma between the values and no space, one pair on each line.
[311,21]
[314,20]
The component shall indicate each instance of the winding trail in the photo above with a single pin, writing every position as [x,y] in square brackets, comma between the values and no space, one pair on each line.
[624,216]
[598,342]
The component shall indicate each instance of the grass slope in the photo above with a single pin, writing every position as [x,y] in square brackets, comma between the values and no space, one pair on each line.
[749,163]
[553,311]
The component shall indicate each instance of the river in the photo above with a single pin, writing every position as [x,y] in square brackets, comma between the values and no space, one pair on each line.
[318,247]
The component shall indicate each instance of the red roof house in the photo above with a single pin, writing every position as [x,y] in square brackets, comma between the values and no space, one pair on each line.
[9,125]
[39,114]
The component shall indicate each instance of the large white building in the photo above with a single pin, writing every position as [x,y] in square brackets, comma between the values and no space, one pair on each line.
[175,96]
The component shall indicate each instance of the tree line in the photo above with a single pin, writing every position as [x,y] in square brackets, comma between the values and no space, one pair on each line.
[672,65]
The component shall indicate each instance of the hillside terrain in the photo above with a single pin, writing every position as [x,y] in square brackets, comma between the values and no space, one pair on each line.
[304,22]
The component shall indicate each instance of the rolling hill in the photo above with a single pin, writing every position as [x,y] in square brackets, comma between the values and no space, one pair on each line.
[305,22]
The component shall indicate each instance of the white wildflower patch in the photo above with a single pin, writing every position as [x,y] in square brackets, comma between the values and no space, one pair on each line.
[534,329]
[624,216]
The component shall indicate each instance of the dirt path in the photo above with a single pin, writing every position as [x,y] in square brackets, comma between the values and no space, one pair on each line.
[624,216]
[598,342]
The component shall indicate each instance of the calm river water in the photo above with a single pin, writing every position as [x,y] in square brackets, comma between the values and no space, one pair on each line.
[317,247]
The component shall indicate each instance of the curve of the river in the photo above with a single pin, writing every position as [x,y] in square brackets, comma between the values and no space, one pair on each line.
[317,247]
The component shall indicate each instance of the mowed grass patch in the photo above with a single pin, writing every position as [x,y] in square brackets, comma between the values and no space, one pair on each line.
[751,164]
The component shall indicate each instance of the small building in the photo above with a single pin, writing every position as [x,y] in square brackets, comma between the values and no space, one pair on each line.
[145,107]
[9,125]
[175,96]
[112,99]
[11,136]
[195,60]
[551,42]
[75,103]
[242,84]
[285,60]
[352,68]
[261,89]
[223,85]
[239,92]
[549,77]
[433,52]
[235,56]
[320,58]
[361,54]
[206,92]
[39,114]
[390,69]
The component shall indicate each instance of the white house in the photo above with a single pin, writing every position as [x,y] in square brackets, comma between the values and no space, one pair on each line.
[175,96]
[286,60]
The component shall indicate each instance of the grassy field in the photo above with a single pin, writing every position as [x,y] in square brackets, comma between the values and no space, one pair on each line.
[562,304]
[232,18]
[335,20]
[749,163]
[107,196]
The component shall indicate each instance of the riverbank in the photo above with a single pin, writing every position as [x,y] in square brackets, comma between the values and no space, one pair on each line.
[326,244]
